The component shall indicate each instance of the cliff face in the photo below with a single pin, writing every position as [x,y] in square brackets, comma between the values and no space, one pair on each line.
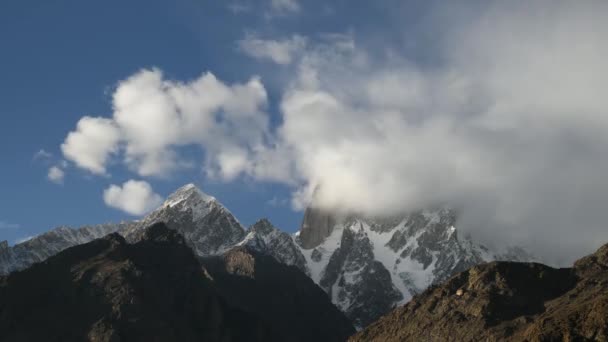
[506,301]
[317,225]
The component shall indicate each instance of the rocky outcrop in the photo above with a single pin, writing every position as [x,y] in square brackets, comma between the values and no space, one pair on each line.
[506,301]
[316,226]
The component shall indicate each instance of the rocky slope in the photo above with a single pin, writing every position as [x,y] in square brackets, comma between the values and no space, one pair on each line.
[366,265]
[281,295]
[109,290]
[506,301]
[157,290]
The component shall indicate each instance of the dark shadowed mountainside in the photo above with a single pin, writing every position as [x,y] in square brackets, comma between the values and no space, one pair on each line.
[506,301]
[298,309]
[153,290]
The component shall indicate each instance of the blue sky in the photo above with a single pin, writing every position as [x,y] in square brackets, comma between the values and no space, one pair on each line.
[61,60]
[377,107]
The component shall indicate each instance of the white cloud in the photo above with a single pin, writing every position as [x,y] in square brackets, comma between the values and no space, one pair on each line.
[133,197]
[153,116]
[91,144]
[42,154]
[285,6]
[281,52]
[56,175]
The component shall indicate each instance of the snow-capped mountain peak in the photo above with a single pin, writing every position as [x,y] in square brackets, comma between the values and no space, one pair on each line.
[188,192]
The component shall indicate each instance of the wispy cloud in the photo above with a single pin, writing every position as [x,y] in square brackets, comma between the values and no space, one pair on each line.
[7,225]
[56,175]
[278,202]
[42,154]
[285,6]
[239,7]
[281,52]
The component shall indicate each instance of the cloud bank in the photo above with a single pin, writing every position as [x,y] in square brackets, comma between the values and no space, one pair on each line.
[510,125]
[133,197]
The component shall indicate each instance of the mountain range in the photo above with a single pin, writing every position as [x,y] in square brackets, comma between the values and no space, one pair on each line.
[366,265]
[157,289]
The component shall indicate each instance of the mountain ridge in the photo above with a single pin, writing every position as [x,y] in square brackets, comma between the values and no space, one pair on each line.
[366,265]
[157,290]
[506,301]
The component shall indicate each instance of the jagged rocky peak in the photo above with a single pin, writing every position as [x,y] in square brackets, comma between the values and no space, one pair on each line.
[207,226]
[370,263]
[263,226]
[264,237]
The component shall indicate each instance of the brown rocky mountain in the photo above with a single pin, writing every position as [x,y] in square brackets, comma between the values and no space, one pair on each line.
[157,290]
[506,301]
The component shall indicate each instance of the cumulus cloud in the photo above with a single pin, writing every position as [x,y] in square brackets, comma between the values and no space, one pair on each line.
[281,52]
[56,175]
[133,197]
[92,143]
[153,116]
